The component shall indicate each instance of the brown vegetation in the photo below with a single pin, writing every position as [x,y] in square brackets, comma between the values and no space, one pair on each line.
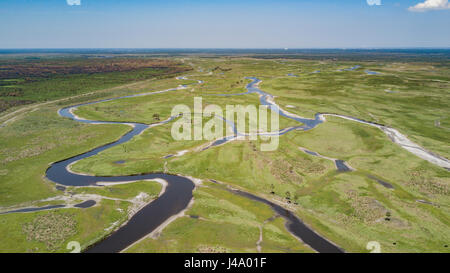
[52,229]
[6,104]
[426,183]
[365,208]
[26,69]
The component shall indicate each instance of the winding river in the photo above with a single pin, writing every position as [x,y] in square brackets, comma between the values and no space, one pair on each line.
[175,198]
[178,193]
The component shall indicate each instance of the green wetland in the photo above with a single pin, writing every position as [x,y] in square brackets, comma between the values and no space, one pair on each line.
[348,208]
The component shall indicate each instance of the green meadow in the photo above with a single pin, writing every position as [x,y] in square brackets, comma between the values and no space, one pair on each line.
[348,208]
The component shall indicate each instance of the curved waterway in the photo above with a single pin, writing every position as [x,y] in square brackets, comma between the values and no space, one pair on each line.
[268,100]
[308,124]
[178,192]
[175,198]
[295,226]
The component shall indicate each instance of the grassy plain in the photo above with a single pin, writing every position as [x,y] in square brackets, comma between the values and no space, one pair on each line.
[350,209]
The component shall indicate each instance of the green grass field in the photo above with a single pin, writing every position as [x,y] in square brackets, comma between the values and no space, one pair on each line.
[349,208]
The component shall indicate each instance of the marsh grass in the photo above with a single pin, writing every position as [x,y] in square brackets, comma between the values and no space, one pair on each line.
[347,208]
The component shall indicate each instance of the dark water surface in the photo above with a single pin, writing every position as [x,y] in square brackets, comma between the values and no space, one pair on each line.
[86,204]
[35,209]
[296,226]
[383,183]
[340,165]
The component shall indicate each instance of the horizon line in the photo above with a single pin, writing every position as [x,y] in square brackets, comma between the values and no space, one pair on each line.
[202,48]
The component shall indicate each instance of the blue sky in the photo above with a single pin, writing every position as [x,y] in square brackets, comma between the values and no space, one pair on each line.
[224,24]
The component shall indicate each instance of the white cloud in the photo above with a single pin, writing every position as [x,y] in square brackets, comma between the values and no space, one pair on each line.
[431,5]
[73,2]
[374,2]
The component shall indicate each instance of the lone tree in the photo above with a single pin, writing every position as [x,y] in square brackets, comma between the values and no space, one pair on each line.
[156,116]
[388,216]
[288,196]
